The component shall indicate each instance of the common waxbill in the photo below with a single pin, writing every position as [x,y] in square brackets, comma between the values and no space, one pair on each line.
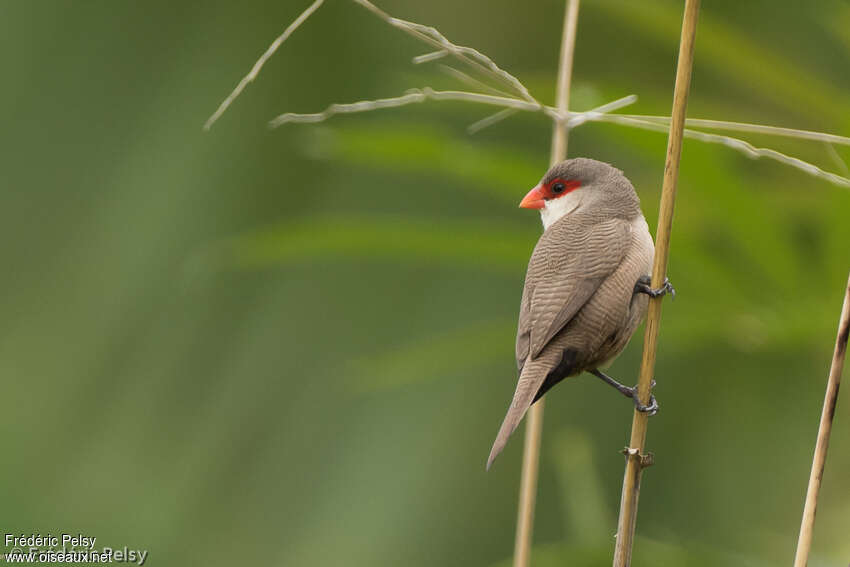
[586,286]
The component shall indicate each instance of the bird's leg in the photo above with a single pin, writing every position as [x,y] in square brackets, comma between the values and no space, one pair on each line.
[629,392]
[643,286]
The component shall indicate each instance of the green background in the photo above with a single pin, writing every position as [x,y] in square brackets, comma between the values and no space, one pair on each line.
[295,347]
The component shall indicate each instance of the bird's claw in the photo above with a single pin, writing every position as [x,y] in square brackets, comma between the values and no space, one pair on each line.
[643,286]
[629,392]
[651,408]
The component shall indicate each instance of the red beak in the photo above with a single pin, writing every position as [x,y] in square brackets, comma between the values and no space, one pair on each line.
[534,199]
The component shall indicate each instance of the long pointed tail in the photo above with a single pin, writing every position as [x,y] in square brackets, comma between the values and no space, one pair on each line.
[532,377]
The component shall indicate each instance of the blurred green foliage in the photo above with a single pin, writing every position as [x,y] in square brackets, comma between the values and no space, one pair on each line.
[295,347]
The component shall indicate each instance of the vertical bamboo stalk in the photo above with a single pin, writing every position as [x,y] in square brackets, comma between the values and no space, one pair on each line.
[635,459]
[560,132]
[528,485]
[534,423]
[804,543]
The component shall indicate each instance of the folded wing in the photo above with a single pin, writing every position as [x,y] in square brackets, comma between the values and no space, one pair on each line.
[569,263]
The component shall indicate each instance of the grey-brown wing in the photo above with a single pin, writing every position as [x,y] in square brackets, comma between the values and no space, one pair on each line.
[523,333]
[568,265]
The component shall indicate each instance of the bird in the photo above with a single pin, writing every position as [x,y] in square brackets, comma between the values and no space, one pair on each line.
[587,285]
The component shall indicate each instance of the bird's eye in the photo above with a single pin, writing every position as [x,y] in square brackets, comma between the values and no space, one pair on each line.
[558,188]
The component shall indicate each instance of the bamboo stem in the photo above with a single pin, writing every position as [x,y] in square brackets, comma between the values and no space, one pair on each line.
[528,485]
[635,459]
[560,133]
[804,543]
[534,423]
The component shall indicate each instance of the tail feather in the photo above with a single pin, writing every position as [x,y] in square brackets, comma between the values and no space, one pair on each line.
[530,380]
[536,378]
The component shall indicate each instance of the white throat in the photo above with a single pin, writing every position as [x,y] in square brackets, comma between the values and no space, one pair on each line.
[555,209]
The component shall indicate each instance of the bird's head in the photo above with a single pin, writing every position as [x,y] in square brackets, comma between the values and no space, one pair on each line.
[585,183]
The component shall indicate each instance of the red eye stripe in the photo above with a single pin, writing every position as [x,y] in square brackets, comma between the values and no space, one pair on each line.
[559,187]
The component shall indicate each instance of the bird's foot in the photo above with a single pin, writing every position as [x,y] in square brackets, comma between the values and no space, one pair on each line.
[649,409]
[630,392]
[643,285]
